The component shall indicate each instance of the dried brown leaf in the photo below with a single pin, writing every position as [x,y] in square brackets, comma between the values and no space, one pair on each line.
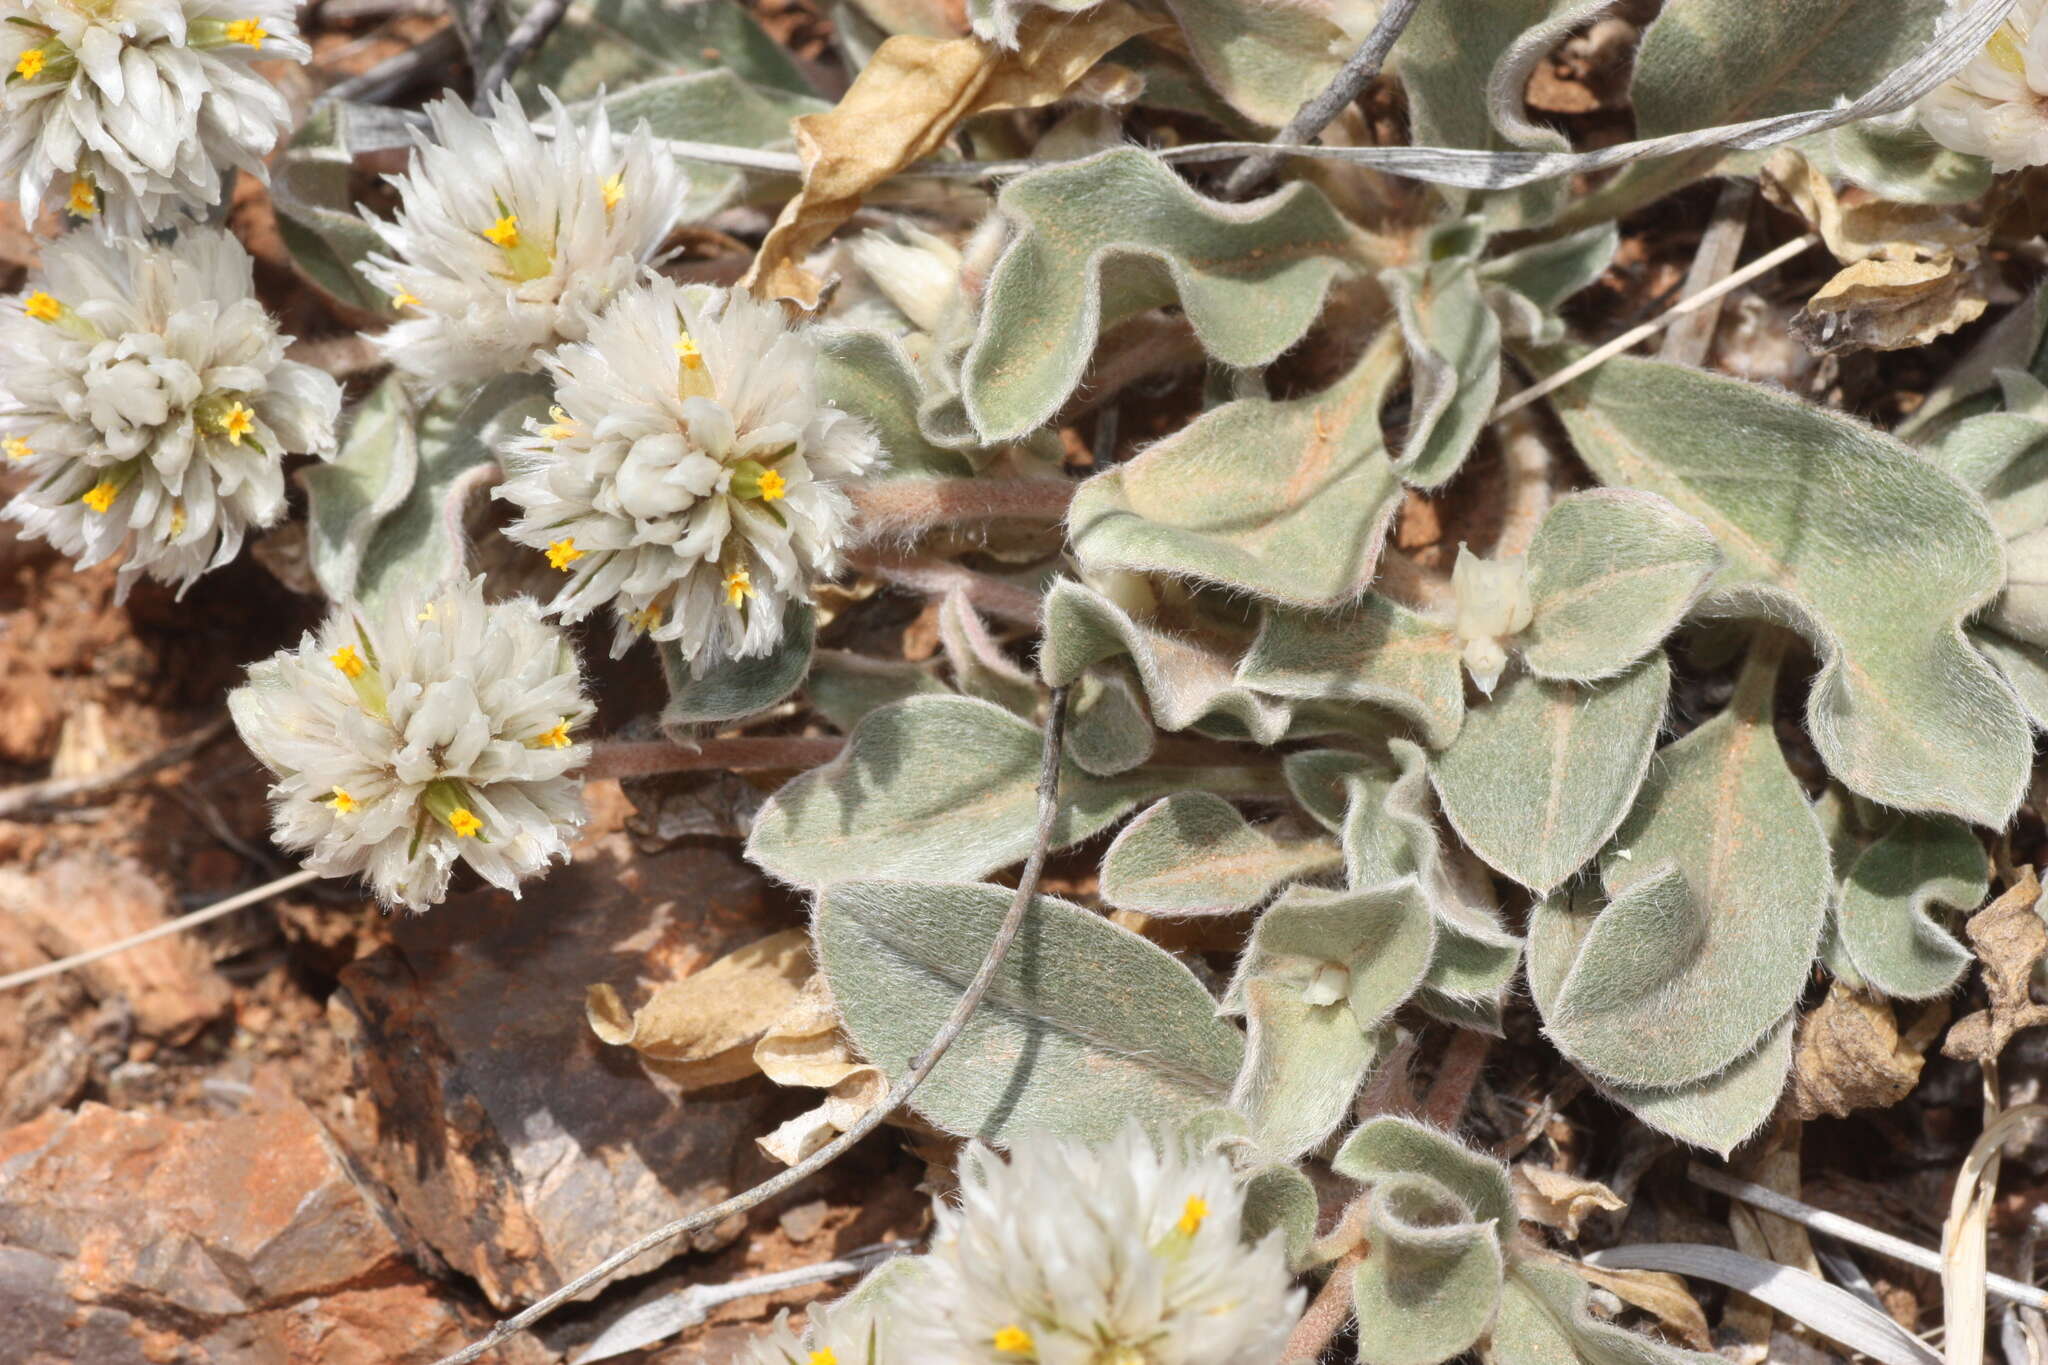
[903,106]
[1850,1056]
[1557,1199]
[2008,937]
[716,1014]
[1659,1293]
[806,1047]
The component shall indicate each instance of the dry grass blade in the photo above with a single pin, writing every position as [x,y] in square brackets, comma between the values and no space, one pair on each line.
[1963,1277]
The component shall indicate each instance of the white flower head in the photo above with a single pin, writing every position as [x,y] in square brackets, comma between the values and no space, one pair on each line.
[1068,1255]
[1493,606]
[145,391]
[689,475]
[834,1334]
[508,243]
[125,109]
[440,729]
[918,272]
[1997,106]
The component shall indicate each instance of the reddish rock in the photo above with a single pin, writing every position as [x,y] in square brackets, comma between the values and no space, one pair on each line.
[517,1145]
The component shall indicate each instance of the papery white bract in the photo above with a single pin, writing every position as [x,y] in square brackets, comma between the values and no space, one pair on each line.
[145,392]
[433,731]
[690,475]
[1493,606]
[1997,106]
[1068,1255]
[126,109]
[508,243]
[833,1335]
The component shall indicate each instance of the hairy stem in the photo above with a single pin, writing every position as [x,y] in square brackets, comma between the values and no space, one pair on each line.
[1451,1091]
[900,509]
[936,577]
[1326,1314]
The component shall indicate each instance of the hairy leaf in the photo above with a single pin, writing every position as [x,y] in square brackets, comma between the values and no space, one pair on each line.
[935,787]
[1544,274]
[843,687]
[1611,573]
[1279,1198]
[1086,1027]
[1303,1065]
[1871,552]
[980,668]
[1541,775]
[1389,1146]
[868,374]
[713,106]
[733,688]
[1108,731]
[1453,341]
[1266,59]
[1103,239]
[1885,912]
[1903,164]
[1378,652]
[1546,1318]
[1194,854]
[316,212]
[1432,1283]
[614,44]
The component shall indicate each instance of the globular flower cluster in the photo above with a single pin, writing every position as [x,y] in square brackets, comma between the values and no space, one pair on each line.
[1067,1255]
[126,109]
[1994,107]
[508,242]
[690,474]
[842,1335]
[437,731]
[146,394]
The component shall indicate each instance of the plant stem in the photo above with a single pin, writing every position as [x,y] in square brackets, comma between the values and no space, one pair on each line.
[935,577]
[1756,687]
[1451,1091]
[739,753]
[902,508]
[920,1067]
[1326,1314]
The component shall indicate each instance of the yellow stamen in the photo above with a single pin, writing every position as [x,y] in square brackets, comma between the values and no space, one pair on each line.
[43,307]
[693,359]
[239,422]
[101,496]
[29,64]
[614,190]
[645,620]
[1014,1340]
[343,803]
[1191,1215]
[85,200]
[405,298]
[504,232]
[562,553]
[17,448]
[177,519]
[557,738]
[348,661]
[561,429]
[464,822]
[739,586]
[249,31]
[773,486]
[426,613]
[2002,49]
[828,1356]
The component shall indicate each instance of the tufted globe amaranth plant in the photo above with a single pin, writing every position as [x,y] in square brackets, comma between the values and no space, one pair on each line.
[510,239]
[439,730]
[689,476]
[126,109]
[1113,1255]
[145,391]
[1993,107]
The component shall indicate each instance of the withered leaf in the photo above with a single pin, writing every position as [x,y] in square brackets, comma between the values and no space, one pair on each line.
[701,1030]
[1558,1199]
[2008,937]
[806,1047]
[1849,1056]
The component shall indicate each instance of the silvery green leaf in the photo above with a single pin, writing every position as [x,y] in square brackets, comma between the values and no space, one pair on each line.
[733,688]
[1871,552]
[1718,886]
[1453,342]
[1320,780]
[843,686]
[1194,854]
[365,483]
[2004,457]
[1286,500]
[1611,573]
[1389,1145]
[1100,240]
[1377,652]
[1108,731]
[870,375]
[1432,1283]
[980,668]
[1279,1198]
[2023,666]
[711,106]
[1086,1027]
[1546,1318]
[933,787]
[1718,1112]
[614,44]
[1525,287]
[1885,911]
[1185,680]
[1303,1065]
[1267,60]
[316,213]
[1542,774]
[1901,163]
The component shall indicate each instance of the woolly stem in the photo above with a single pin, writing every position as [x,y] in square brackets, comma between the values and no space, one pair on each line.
[1451,1091]
[1756,687]
[1326,1314]
[904,508]
[936,577]
[739,753]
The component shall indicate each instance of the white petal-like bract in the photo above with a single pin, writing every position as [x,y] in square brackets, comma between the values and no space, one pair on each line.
[1997,106]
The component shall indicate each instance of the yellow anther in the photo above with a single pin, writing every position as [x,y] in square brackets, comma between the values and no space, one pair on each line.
[426,613]
[1014,1340]
[2002,49]
[17,448]
[692,358]
[739,586]
[562,553]
[405,298]
[828,1356]
[557,738]
[614,190]
[101,496]
[348,661]
[464,822]
[29,64]
[177,519]
[85,200]
[249,31]
[343,803]
[504,232]
[561,428]
[773,486]
[43,307]
[646,619]
[238,422]
[1191,1215]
